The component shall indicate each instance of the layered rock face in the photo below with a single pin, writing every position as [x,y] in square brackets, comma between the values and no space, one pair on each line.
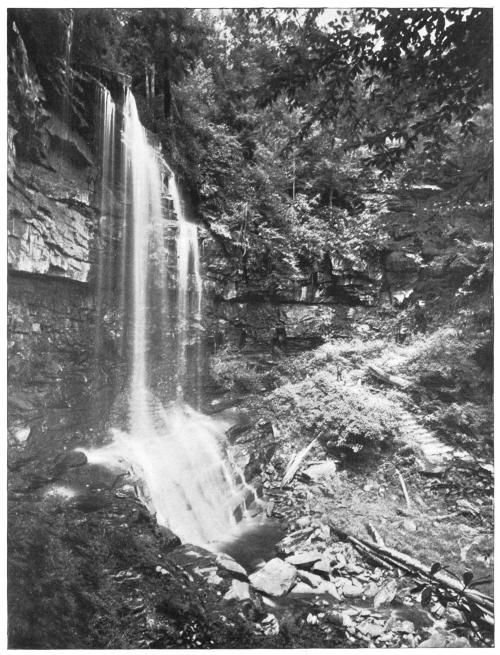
[51,222]
[429,249]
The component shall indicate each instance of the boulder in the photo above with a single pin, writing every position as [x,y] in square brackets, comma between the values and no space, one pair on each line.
[168,538]
[322,472]
[303,521]
[275,578]
[269,625]
[436,640]
[351,589]
[91,502]
[310,578]
[238,590]
[304,588]
[323,567]
[371,630]
[73,459]
[304,560]
[227,563]
[19,433]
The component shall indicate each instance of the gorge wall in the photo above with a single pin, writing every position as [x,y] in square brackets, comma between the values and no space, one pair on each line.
[51,224]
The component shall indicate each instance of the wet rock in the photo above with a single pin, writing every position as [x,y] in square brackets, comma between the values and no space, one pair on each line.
[269,625]
[330,588]
[73,459]
[323,567]
[97,476]
[209,574]
[403,626]
[176,609]
[275,578]
[304,560]
[303,588]
[243,424]
[91,502]
[291,543]
[453,615]
[458,642]
[370,590]
[386,594]
[189,556]
[19,433]
[410,525]
[352,590]
[238,590]
[436,640]
[222,404]
[303,521]
[254,466]
[227,563]
[322,472]
[310,578]
[339,619]
[168,538]
[371,630]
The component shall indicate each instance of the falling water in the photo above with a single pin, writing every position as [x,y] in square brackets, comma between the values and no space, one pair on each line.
[67,84]
[107,130]
[172,449]
[188,302]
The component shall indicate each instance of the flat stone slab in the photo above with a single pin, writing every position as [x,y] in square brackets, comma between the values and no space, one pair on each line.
[229,564]
[275,578]
[238,591]
[305,559]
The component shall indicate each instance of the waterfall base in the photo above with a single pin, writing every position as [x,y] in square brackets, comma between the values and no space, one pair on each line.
[176,461]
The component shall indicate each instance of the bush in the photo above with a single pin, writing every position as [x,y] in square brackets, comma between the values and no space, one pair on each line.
[347,415]
[441,361]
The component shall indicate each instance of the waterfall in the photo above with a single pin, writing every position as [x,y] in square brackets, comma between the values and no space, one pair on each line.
[67,89]
[188,305]
[107,131]
[172,449]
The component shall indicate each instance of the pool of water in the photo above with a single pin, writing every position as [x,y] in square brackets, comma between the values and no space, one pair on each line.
[253,543]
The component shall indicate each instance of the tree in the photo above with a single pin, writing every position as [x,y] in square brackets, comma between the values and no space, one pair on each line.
[421,69]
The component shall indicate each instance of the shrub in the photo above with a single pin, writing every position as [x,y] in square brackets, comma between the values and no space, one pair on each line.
[348,415]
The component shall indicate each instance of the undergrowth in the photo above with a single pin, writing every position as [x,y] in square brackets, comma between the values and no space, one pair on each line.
[345,416]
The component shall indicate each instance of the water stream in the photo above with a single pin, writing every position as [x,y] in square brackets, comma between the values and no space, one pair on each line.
[174,452]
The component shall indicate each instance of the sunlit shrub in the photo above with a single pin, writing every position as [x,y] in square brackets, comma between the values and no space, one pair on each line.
[346,415]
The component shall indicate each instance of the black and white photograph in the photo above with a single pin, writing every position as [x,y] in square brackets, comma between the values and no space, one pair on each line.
[249,306]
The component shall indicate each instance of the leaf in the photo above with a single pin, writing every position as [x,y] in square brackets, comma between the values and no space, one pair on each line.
[435,568]
[467,577]
[418,588]
[426,596]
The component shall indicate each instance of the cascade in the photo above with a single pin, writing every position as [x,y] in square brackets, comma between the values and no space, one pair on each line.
[172,449]
[187,305]
[67,90]
[107,130]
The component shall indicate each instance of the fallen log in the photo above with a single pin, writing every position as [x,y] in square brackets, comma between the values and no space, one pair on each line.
[395,380]
[403,487]
[296,461]
[415,567]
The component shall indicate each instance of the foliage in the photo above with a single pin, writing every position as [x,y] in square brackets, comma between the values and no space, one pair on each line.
[373,61]
[349,416]
[235,373]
